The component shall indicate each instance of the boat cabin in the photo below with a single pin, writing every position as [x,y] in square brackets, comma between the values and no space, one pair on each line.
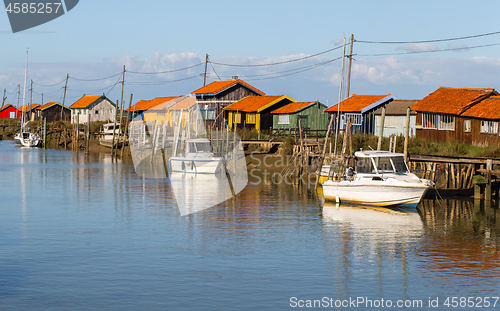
[380,162]
[198,145]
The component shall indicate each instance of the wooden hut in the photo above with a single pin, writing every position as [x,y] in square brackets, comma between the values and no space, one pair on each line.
[29,111]
[359,109]
[8,111]
[442,115]
[395,117]
[93,108]
[52,111]
[254,112]
[312,115]
[478,125]
[157,104]
[214,97]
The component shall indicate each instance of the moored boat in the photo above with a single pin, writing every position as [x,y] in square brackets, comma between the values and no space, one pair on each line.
[199,158]
[380,178]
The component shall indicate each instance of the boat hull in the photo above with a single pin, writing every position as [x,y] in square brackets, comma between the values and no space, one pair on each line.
[195,166]
[377,195]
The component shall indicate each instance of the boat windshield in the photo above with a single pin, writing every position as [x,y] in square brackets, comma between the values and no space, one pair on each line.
[200,147]
[365,165]
[383,165]
[399,164]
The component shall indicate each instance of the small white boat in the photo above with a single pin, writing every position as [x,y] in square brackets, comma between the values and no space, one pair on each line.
[380,178]
[107,134]
[27,139]
[199,158]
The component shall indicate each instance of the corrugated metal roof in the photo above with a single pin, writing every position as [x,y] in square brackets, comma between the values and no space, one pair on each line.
[356,103]
[86,101]
[219,86]
[256,103]
[452,100]
[157,103]
[294,107]
[397,107]
[488,108]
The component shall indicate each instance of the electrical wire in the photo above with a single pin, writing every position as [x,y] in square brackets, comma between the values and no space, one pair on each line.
[46,85]
[434,51]
[159,82]
[279,63]
[211,65]
[430,41]
[169,71]
[99,79]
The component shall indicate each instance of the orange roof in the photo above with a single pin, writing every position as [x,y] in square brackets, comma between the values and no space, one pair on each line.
[452,100]
[6,106]
[219,86]
[357,103]
[184,103]
[256,103]
[485,109]
[143,105]
[293,107]
[28,107]
[48,105]
[86,101]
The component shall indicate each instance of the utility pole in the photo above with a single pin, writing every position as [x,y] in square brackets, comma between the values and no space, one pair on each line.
[349,70]
[4,98]
[18,94]
[205,74]
[64,96]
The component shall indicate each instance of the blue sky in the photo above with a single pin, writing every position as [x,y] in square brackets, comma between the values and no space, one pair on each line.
[96,38]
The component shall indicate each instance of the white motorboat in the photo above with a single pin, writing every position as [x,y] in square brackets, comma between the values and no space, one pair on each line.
[27,139]
[199,158]
[107,135]
[380,178]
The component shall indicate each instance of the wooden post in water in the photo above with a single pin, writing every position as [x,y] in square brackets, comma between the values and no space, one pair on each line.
[407,133]
[381,129]
[487,191]
[322,158]
[114,129]
[77,132]
[88,134]
[44,132]
[125,134]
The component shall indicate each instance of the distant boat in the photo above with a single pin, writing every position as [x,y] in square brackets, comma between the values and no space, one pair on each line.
[25,138]
[107,135]
[199,158]
[380,178]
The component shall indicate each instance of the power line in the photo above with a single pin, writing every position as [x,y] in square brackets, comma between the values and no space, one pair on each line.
[169,71]
[99,79]
[279,63]
[44,85]
[430,41]
[435,51]
[160,82]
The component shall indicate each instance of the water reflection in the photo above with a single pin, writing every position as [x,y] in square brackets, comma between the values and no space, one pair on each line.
[463,241]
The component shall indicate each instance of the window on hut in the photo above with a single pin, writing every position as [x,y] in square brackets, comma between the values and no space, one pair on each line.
[251,118]
[489,127]
[467,126]
[284,119]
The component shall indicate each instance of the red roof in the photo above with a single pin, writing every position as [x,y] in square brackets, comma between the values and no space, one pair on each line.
[356,103]
[7,106]
[256,103]
[219,86]
[452,100]
[485,109]
[143,105]
[293,107]
[28,107]
[86,101]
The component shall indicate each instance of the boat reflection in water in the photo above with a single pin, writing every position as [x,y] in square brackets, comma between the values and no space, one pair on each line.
[204,167]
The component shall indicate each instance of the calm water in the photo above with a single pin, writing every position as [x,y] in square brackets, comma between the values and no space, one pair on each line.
[84,233]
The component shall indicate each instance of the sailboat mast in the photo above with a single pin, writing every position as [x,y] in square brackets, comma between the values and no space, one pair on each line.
[340,99]
[24,92]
